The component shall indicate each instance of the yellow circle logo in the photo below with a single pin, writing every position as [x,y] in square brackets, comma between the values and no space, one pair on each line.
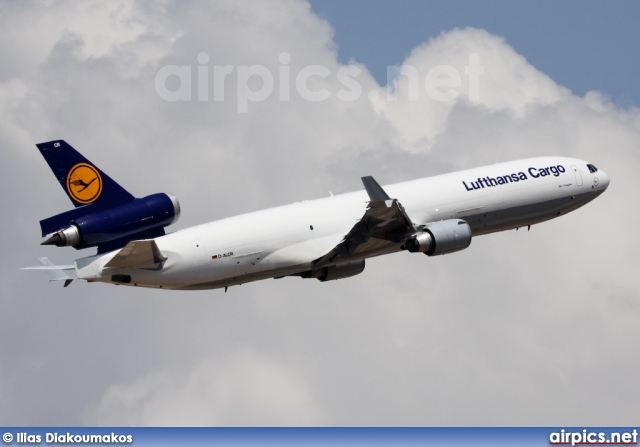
[84,183]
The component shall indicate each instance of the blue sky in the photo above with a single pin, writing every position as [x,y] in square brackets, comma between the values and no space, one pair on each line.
[586,45]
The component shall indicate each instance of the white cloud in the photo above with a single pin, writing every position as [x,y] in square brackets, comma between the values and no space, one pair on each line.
[101,28]
[525,328]
[505,83]
[245,388]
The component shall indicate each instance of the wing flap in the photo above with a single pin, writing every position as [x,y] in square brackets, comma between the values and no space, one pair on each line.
[137,254]
[383,228]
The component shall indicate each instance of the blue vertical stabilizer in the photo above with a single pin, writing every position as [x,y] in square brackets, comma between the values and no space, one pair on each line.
[84,183]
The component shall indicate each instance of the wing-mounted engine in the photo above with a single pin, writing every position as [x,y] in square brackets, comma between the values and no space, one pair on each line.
[440,238]
[385,227]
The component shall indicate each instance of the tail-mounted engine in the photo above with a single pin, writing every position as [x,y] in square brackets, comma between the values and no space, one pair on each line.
[106,215]
[84,227]
[440,238]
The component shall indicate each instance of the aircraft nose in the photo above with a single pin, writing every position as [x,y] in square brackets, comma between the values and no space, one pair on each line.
[602,180]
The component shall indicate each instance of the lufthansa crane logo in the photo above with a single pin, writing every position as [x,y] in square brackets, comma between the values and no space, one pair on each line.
[84,183]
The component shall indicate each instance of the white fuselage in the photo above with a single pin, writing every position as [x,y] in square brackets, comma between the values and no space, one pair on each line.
[286,240]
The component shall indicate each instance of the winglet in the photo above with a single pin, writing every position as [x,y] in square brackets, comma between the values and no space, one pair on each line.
[375,191]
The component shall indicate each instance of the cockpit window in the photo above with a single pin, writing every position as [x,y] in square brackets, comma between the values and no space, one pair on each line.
[592,168]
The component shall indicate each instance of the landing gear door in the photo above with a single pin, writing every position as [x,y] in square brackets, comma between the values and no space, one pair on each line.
[247,263]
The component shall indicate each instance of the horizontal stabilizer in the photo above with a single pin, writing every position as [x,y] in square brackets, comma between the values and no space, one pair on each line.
[137,254]
[55,272]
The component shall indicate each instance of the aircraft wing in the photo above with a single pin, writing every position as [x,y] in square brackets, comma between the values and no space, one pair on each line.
[383,226]
[137,254]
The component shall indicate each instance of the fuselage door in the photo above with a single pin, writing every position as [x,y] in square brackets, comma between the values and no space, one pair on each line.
[578,176]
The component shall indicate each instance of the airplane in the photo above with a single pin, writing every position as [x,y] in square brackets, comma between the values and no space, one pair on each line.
[326,239]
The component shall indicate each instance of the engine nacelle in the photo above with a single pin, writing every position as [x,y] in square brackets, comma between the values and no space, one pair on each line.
[440,238]
[338,271]
[101,227]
